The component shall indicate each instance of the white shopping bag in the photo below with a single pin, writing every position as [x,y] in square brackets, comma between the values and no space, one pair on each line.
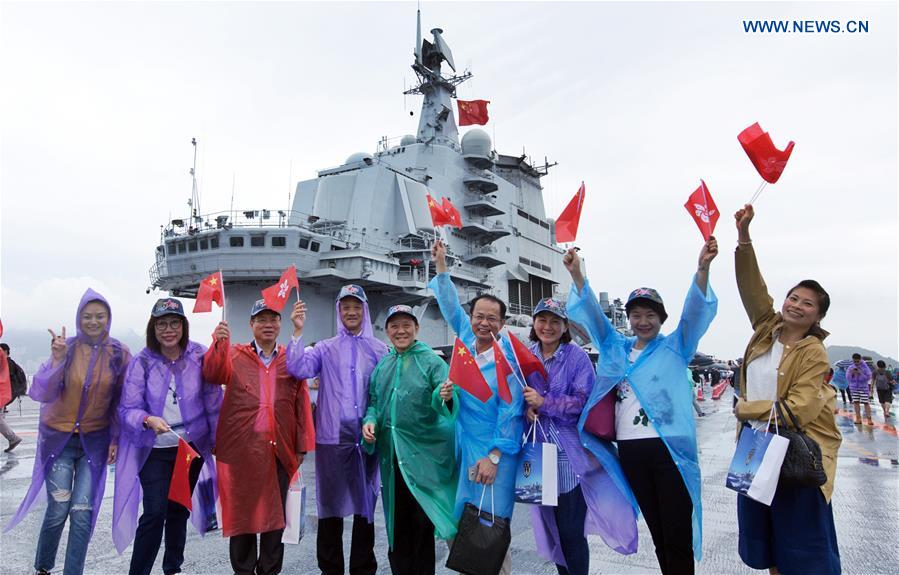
[755,468]
[537,476]
[295,510]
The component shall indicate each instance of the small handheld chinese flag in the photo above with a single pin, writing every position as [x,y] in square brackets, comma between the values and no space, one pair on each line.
[211,290]
[531,367]
[503,371]
[473,112]
[179,487]
[465,373]
[768,160]
[276,296]
[439,216]
[703,209]
[567,223]
[454,218]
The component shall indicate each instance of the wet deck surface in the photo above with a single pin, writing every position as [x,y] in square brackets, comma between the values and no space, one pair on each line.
[866,509]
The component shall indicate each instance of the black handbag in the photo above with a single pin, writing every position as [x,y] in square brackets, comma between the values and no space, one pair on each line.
[482,542]
[802,466]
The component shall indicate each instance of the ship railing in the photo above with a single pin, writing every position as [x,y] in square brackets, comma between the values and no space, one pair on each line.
[473,197]
[480,172]
[226,220]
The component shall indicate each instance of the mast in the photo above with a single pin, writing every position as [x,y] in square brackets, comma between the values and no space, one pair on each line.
[195,192]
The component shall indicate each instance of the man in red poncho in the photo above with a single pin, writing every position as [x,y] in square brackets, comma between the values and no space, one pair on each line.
[264,430]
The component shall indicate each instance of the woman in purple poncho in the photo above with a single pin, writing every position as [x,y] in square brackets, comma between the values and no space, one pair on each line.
[164,398]
[79,389]
[590,498]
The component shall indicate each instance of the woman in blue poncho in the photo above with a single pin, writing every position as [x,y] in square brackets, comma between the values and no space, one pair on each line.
[654,425]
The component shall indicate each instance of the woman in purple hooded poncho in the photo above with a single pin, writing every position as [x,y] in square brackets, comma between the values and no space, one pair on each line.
[164,397]
[79,389]
[346,478]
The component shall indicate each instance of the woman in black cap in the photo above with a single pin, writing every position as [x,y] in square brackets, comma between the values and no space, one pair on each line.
[164,399]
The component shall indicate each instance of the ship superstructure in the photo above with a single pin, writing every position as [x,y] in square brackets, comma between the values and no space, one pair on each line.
[367,222]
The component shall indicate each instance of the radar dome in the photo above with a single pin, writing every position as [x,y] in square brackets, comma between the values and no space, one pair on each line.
[476,142]
[358,157]
[408,140]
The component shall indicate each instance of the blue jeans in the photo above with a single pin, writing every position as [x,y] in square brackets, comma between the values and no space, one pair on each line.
[570,516]
[69,494]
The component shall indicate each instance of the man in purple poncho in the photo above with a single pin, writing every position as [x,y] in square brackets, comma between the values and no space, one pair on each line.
[346,478]
[79,389]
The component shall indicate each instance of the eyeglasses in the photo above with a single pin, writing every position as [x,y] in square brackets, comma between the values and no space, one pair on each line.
[168,324]
[479,317]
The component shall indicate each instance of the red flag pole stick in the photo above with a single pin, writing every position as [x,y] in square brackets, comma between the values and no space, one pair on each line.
[758,192]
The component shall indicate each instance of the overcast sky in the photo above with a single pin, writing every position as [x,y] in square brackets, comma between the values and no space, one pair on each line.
[639,100]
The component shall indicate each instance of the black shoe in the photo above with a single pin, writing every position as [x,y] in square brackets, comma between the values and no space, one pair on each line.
[13,444]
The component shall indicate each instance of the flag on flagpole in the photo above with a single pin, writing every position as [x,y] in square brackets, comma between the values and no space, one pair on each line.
[439,216]
[179,487]
[473,112]
[703,209]
[503,371]
[567,223]
[768,160]
[465,373]
[275,296]
[532,369]
[211,290]
[454,218]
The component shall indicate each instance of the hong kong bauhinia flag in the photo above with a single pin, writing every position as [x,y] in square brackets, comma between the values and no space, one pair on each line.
[768,160]
[211,290]
[703,209]
[276,296]
[473,112]
[179,487]
[465,373]
[567,223]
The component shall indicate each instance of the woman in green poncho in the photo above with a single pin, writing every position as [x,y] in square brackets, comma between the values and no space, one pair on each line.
[413,430]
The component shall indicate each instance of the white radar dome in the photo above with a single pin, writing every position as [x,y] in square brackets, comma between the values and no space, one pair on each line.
[408,140]
[358,157]
[476,142]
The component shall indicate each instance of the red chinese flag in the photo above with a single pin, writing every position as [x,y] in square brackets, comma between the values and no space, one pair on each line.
[211,290]
[439,216]
[473,112]
[179,488]
[566,225]
[503,371]
[276,296]
[768,160]
[703,209]
[465,373]
[454,218]
[531,367]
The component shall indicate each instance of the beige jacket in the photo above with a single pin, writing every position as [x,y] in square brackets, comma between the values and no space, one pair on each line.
[800,382]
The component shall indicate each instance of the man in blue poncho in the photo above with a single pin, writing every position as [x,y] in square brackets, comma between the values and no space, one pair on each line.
[488,434]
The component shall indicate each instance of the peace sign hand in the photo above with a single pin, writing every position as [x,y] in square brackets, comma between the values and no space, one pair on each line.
[58,345]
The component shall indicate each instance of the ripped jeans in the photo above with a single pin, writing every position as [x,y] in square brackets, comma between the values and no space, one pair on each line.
[69,494]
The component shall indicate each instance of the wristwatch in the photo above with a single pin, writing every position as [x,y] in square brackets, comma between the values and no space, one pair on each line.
[494,458]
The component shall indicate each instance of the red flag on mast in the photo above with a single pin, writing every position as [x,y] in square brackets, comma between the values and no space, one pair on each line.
[768,160]
[275,296]
[703,209]
[179,487]
[567,223]
[211,290]
[503,371]
[473,112]
[465,373]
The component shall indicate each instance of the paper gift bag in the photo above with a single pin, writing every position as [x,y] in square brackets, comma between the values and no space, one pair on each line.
[755,468]
[537,476]
[295,510]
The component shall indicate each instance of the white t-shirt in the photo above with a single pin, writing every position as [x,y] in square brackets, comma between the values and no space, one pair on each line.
[630,420]
[171,413]
[761,378]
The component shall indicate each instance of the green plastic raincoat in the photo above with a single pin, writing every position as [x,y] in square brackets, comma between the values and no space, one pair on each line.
[414,428]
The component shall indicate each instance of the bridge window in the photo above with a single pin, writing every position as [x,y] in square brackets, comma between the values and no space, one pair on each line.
[304,243]
[316,246]
[236,241]
[257,241]
[279,241]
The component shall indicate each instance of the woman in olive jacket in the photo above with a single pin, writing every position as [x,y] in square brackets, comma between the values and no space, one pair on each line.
[786,361]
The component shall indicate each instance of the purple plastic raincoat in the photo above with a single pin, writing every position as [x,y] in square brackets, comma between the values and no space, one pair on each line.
[610,512]
[145,391]
[82,394]
[346,478]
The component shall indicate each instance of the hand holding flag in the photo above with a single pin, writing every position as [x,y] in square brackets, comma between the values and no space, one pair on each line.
[702,208]
[211,290]
[465,373]
[275,296]
[567,222]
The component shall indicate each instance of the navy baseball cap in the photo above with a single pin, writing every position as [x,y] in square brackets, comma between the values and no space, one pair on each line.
[400,309]
[259,307]
[166,306]
[650,296]
[553,306]
[352,290]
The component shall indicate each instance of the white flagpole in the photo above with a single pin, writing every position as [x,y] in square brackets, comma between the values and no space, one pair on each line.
[705,203]
[758,192]
[222,277]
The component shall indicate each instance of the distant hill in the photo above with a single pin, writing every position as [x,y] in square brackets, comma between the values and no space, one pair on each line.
[838,352]
[31,348]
